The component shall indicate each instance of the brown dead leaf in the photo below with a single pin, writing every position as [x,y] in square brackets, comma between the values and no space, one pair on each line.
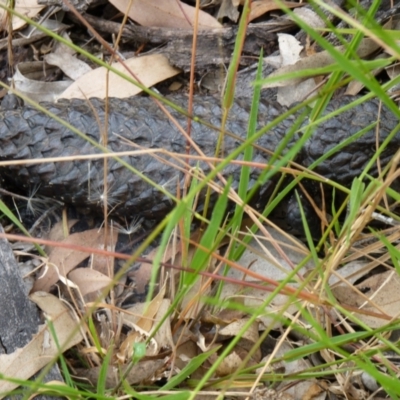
[62,261]
[291,368]
[247,340]
[224,317]
[272,258]
[163,336]
[313,391]
[235,327]
[144,371]
[242,349]
[88,280]
[309,17]
[71,65]
[172,254]
[229,364]
[261,7]
[186,348]
[228,10]
[167,13]
[28,8]
[379,294]
[141,328]
[192,304]
[148,69]
[147,321]
[318,60]
[25,362]
[290,49]
[185,353]
[355,87]
[57,233]
[28,80]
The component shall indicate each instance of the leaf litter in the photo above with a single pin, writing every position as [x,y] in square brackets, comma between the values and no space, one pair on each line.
[43,348]
[206,328]
[167,13]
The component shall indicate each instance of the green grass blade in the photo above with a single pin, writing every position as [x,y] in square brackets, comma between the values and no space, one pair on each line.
[102,380]
[310,239]
[354,205]
[248,151]
[210,238]
[191,367]
[237,52]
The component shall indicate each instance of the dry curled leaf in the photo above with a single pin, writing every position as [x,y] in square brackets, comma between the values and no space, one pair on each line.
[244,349]
[228,10]
[229,364]
[272,258]
[28,79]
[149,70]
[167,13]
[25,362]
[141,328]
[261,7]
[144,371]
[28,8]
[378,294]
[69,64]
[318,60]
[89,280]
[62,260]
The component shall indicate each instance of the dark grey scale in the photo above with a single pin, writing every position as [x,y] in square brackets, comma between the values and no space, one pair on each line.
[28,133]
[348,163]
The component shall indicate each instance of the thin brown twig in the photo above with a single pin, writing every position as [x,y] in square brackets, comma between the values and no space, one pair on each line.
[287,290]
